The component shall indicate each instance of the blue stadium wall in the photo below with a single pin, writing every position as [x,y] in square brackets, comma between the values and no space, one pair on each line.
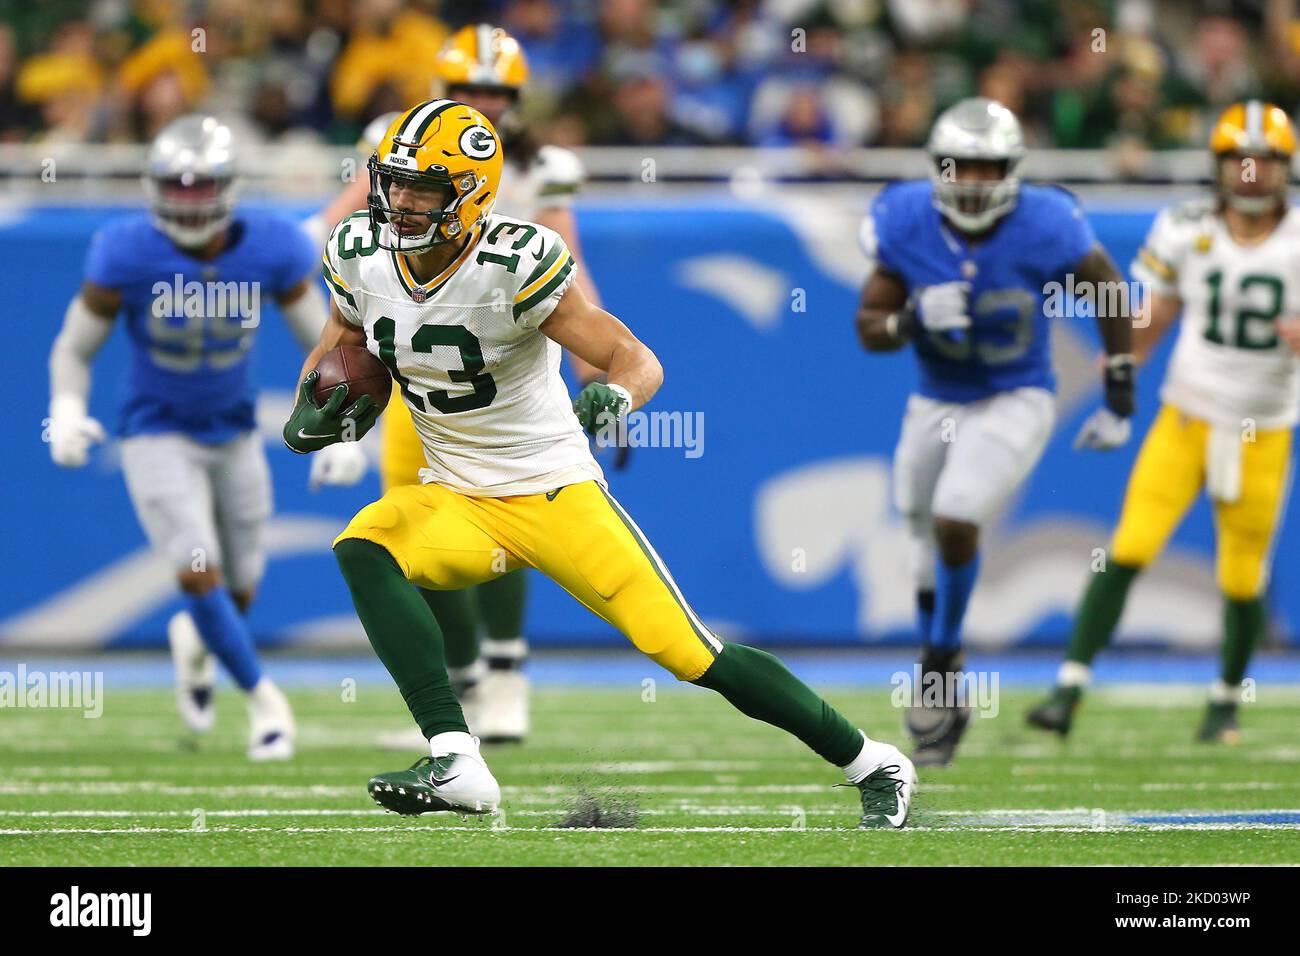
[781,530]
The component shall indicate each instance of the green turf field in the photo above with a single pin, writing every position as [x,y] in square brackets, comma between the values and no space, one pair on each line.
[701,785]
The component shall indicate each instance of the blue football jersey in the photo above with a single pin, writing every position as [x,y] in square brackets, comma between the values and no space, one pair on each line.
[191,323]
[1008,344]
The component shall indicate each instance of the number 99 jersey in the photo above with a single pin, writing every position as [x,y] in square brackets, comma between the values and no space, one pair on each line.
[1011,272]
[482,382]
[1229,364]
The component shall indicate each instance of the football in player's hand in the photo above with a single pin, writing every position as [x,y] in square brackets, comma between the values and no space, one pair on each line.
[358,369]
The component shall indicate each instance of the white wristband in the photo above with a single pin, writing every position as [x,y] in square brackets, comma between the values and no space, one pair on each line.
[622,393]
[67,404]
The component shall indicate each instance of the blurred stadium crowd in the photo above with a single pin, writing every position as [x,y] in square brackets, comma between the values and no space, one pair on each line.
[1145,74]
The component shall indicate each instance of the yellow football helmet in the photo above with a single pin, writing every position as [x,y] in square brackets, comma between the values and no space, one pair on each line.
[483,55]
[439,146]
[1252,130]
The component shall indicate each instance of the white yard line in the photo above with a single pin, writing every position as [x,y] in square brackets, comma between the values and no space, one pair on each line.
[551,833]
[1005,820]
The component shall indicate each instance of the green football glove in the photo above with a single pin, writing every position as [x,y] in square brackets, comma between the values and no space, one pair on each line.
[310,428]
[599,405]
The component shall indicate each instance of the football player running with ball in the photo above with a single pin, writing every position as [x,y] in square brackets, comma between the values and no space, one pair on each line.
[484,67]
[960,267]
[470,312]
[188,281]
[1229,265]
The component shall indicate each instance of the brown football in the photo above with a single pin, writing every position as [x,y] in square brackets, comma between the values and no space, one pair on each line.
[355,367]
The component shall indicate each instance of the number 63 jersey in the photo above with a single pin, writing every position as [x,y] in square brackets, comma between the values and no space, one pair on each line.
[1010,272]
[1229,363]
[482,382]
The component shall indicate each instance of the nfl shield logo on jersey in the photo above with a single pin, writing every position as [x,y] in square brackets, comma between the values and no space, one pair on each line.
[418,294]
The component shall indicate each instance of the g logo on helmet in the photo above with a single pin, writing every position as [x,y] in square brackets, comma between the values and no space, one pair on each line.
[477,142]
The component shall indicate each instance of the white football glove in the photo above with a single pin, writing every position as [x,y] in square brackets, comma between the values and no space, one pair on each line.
[340,464]
[1103,431]
[71,432]
[942,308]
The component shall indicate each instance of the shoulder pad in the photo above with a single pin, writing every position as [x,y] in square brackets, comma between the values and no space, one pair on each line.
[1192,210]
[559,166]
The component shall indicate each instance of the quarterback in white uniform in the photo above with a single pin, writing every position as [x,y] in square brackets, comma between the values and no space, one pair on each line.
[469,312]
[484,67]
[1230,266]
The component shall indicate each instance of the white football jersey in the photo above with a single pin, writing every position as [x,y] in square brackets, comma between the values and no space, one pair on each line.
[482,382]
[1229,364]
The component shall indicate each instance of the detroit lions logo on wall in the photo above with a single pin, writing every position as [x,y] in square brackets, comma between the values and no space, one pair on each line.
[477,142]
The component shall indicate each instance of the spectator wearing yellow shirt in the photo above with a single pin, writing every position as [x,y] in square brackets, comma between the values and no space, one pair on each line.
[386,57]
[64,83]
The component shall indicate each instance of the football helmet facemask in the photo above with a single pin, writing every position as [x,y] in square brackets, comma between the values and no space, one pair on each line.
[441,147]
[1245,134]
[190,179]
[982,130]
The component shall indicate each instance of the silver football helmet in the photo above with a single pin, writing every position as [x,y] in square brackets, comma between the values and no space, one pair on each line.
[190,179]
[980,129]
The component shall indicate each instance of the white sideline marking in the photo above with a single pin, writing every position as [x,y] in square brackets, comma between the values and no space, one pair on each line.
[487,828]
[1007,820]
[527,793]
[1034,816]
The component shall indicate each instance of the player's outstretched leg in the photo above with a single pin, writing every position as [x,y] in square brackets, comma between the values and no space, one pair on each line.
[760,686]
[503,693]
[407,639]
[590,546]
[1094,623]
[457,617]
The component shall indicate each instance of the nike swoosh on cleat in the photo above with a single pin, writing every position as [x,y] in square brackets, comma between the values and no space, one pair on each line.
[443,782]
[303,434]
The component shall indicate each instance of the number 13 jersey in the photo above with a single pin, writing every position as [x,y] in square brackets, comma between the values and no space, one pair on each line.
[482,382]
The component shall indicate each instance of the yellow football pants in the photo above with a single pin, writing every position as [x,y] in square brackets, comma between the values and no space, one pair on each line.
[401,454]
[1166,479]
[578,536]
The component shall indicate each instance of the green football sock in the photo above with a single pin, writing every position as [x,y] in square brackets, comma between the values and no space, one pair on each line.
[1243,627]
[457,616]
[500,604]
[760,686]
[1099,611]
[403,632]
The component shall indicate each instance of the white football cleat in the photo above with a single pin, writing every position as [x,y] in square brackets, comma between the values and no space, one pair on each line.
[502,707]
[270,723]
[887,788]
[454,777]
[196,674]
